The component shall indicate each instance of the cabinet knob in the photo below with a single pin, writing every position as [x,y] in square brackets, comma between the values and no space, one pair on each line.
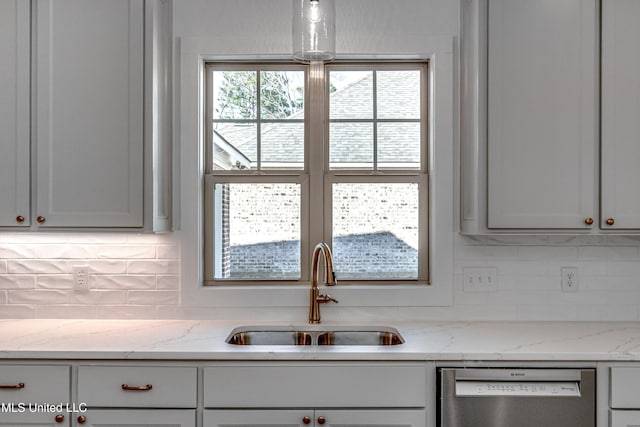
[588,221]
[322,420]
[610,221]
[41,219]
[19,219]
[82,419]
[306,420]
[59,418]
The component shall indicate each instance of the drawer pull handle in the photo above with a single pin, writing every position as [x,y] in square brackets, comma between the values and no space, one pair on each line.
[322,420]
[59,418]
[82,419]
[14,387]
[306,420]
[128,387]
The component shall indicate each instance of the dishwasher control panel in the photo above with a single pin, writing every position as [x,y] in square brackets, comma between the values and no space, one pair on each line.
[529,389]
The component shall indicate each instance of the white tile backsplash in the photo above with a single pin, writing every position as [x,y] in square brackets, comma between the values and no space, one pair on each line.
[136,276]
[529,277]
[130,275]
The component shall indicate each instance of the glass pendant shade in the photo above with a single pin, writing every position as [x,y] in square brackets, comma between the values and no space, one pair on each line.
[314,30]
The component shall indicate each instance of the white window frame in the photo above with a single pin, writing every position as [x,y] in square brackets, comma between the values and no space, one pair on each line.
[418,176]
[194,52]
[258,176]
[316,167]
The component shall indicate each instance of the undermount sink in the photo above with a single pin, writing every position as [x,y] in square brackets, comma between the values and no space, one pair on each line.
[320,336]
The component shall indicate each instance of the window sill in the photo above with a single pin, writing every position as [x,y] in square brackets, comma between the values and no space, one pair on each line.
[409,295]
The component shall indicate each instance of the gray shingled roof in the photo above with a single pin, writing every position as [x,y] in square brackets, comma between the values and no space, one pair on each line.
[350,142]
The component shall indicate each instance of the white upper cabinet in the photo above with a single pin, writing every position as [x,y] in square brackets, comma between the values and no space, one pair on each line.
[542,118]
[85,114]
[620,114]
[14,113]
[88,112]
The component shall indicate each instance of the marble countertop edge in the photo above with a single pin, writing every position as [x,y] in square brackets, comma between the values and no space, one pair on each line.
[204,340]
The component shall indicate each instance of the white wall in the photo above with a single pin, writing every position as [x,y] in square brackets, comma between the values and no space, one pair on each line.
[136,276]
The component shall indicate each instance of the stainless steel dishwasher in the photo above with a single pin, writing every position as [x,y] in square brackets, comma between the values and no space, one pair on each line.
[508,397]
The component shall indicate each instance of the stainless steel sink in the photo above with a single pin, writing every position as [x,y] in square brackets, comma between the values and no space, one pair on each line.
[360,338]
[270,338]
[320,336]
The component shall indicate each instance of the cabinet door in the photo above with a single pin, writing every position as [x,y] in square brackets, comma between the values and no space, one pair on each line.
[14,112]
[542,115]
[135,418]
[624,419]
[620,114]
[256,418]
[319,417]
[371,418]
[14,418]
[89,112]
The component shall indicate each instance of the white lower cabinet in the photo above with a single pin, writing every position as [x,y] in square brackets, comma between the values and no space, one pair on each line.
[27,419]
[315,418]
[136,418]
[624,419]
[137,396]
[218,394]
[316,394]
[34,395]
[138,386]
[624,395]
[257,418]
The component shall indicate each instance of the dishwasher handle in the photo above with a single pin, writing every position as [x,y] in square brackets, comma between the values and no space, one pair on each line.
[517,389]
[518,375]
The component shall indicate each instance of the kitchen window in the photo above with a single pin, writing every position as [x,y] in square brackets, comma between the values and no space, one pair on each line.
[296,154]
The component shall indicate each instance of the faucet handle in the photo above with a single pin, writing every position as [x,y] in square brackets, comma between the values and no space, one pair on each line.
[326,298]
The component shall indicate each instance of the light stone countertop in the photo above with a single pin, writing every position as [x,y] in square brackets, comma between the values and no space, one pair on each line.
[205,340]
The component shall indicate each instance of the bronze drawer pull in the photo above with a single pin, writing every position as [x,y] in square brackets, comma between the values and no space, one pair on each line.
[14,387]
[127,387]
[59,418]
[82,419]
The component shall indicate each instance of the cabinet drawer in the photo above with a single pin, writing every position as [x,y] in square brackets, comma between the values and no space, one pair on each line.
[625,388]
[624,418]
[34,383]
[135,386]
[313,385]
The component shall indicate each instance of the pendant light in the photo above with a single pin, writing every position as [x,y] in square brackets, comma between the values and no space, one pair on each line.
[314,30]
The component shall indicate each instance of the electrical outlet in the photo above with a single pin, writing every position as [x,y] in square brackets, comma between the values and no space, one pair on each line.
[569,279]
[81,277]
[480,279]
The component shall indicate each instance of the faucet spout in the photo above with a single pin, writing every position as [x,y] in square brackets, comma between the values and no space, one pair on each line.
[315,298]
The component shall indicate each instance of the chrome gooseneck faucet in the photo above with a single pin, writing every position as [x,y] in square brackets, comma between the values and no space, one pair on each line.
[315,298]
